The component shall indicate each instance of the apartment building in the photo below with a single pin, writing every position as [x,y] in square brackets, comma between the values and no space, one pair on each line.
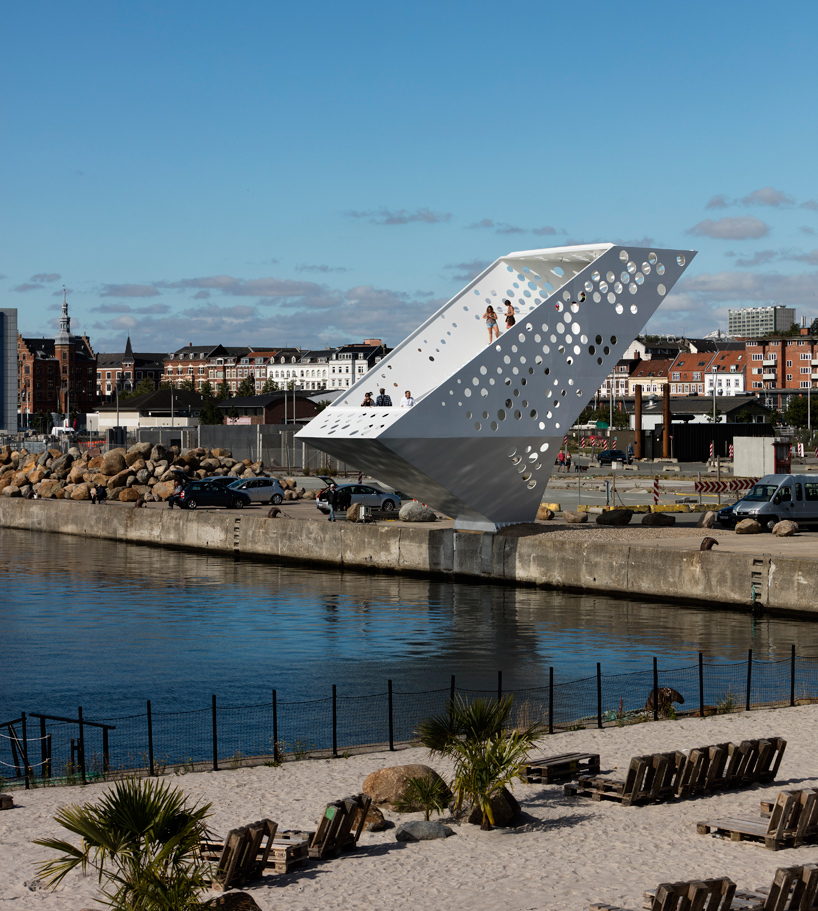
[651,375]
[695,373]
[755,322]
[782,363]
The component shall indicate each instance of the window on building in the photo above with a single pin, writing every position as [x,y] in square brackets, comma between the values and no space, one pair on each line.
[789,377]
[806,369]
[805,384]
[675,376]
[805,355]
[789,363]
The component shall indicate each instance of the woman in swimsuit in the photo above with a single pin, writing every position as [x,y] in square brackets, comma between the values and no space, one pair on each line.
[490,316]
[510,321]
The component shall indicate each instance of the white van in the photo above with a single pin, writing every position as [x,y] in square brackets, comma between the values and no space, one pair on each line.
[781,496]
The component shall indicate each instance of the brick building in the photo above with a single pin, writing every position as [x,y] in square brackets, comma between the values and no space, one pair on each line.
[56,374]
[127,370]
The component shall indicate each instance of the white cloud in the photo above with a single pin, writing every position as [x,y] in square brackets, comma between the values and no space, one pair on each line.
[739,228]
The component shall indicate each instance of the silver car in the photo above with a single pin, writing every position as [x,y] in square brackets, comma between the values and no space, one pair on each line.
[260,490]
[363,494]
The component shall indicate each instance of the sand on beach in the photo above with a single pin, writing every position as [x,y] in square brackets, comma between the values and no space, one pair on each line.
[566,854]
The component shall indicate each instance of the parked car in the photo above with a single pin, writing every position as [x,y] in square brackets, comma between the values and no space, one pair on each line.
[222,480]
[726,516]
[260,490]
[607,456]
[206,493]
[363,494]
[780,496]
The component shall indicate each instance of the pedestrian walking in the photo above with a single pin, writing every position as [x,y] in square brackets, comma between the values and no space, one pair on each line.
[407,401]
[332,501]
[383,400]
[367,402]
[510,321]
[490,316]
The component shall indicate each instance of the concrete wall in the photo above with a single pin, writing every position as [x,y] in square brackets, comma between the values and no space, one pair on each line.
[782,585]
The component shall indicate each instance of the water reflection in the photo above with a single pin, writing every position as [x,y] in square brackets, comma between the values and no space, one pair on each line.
[109,625]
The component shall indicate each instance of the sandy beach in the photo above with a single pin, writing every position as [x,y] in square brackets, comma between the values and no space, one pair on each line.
[566,854]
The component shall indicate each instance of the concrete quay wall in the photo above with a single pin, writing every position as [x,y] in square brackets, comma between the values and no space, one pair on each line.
[781,584]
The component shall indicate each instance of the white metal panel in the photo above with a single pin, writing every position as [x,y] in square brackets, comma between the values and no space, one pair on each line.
[480,443]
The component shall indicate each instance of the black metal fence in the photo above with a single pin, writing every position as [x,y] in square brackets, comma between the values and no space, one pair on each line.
[37,748]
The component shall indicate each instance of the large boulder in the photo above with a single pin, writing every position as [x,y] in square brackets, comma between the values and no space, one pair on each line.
[37,475]
[412,511]
[389,785]
[375,820]
[575,518]
[120,479]
[422,831]
[80,492]
[144,450]
[658,519]
[785,528]
[11,491]
[47,488]
[230,901]
[63,461]
[544,513]
[163,489]
[353,513]
[614,517]
[129,495]
[160,453]
[504,808]
[706,519]
[221,453]
[748,527]
[113,462]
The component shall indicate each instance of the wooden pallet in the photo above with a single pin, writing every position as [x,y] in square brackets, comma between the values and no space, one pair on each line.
[791,822]
[649,778]
[558,768]
[792,889]
[696,895]
[290,851]
[243,855]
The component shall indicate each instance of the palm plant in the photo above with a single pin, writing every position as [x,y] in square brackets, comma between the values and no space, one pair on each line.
[429,792]
[483,769]
[473,721]
[142,839]
[486,758]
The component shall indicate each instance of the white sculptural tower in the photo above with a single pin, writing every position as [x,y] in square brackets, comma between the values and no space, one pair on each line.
[480,442]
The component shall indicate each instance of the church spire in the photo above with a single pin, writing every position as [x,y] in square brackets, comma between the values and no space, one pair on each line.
[64,336]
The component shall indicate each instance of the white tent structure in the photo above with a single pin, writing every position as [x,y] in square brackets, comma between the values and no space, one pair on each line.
[480,442]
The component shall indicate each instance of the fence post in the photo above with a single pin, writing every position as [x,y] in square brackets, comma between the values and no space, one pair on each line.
[598,695]
[451,691]
[334,721]
[150,741]
[24,746]
[550,700]
[44,750]
[792,675]
[391,719]
[215,736]
[499,685]
[106,756]
[749,677]
[81,745]
[655,690]
[701,685]
[276,757]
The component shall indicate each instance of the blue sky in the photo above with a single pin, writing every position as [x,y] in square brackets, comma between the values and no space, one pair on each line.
[269,173]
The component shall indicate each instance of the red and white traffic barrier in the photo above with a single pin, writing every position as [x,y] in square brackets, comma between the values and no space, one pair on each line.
[731,450]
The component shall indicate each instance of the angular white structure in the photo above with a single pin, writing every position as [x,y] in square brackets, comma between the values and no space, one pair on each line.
[481,440]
